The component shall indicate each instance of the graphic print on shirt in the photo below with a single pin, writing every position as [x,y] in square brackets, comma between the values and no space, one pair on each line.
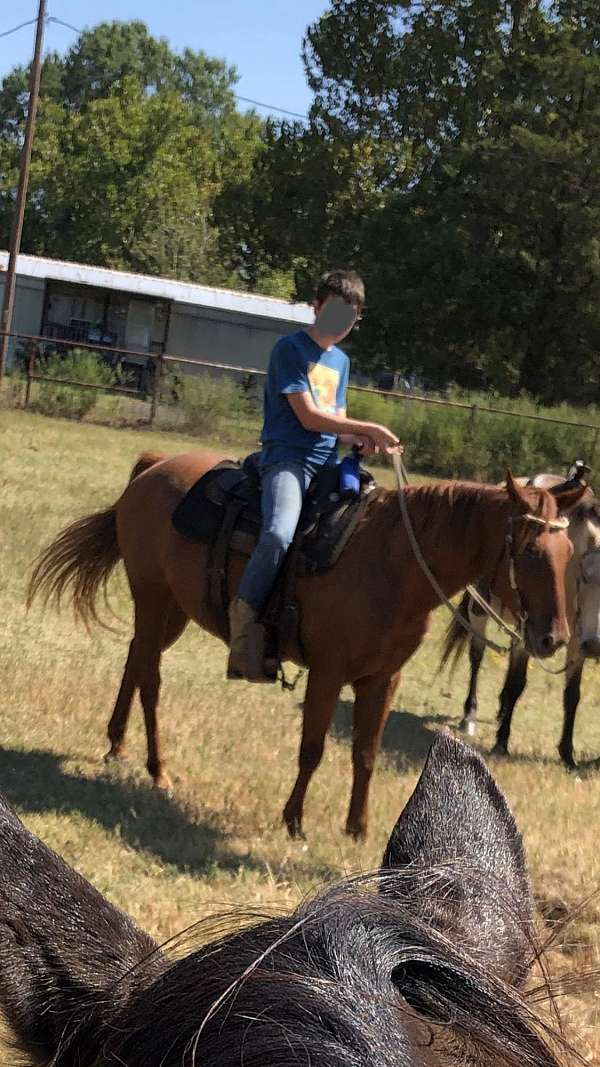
[324,383]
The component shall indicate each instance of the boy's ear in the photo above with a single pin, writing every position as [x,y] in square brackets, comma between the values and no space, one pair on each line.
[464,863]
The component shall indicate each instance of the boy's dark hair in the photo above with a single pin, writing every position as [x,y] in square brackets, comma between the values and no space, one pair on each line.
[345,283]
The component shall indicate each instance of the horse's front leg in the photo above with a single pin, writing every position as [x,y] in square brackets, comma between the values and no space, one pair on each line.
[320,702]
[374,696]
[516,680]
[571,696]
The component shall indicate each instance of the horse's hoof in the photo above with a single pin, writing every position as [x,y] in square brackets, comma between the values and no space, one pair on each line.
[116,756]
[468,728]
[499,750]
[294,827]
[163,782]
[357,833]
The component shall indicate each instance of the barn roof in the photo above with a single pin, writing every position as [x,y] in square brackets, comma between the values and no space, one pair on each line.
[163,288]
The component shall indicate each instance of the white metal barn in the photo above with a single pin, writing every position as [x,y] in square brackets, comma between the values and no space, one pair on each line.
[94,305]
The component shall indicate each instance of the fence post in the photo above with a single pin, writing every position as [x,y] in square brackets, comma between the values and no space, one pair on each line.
[473,417]
[158,373]
[594,446]
[30,371]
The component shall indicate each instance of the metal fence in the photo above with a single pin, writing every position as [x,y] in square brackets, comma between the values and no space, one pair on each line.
[146,370]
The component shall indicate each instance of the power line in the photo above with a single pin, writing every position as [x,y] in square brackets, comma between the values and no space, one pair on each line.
[271,107]
[60,22]
[244,99]
[6,33]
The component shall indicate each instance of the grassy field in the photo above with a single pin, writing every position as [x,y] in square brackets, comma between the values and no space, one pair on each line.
[232,750]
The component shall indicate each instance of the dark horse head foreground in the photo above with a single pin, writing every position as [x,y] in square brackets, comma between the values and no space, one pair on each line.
[360,621]
[424,963]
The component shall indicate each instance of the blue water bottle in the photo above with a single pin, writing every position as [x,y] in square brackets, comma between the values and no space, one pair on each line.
[349,475]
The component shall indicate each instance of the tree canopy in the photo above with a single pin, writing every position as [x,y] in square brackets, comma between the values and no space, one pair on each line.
[451,156]
[133,144]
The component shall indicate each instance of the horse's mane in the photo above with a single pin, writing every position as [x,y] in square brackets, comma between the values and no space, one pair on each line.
[457,504]
[359,976]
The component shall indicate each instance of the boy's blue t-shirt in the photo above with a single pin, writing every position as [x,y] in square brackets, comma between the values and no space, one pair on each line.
[299,365]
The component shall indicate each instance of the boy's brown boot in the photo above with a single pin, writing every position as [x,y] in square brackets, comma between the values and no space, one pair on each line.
[247,644]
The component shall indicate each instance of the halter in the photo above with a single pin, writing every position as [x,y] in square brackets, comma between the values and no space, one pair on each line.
[561,523]
[516,635]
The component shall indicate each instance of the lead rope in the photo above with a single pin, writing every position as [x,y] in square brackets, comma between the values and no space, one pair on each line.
[402,484]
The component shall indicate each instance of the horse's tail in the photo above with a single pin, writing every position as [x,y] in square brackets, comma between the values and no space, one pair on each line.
[82,558]
[457,637]
[144,462]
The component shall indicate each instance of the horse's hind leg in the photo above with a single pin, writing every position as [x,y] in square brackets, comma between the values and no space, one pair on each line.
[118,722]
[159,621]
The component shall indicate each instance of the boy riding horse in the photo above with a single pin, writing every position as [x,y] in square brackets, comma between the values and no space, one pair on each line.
[304,419]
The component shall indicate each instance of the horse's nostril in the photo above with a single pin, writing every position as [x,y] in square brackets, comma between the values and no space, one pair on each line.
[548,644]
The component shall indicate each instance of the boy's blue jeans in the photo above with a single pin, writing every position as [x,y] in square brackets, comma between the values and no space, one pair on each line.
[284,486]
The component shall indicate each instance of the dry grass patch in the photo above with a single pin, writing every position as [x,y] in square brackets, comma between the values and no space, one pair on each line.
[232,749]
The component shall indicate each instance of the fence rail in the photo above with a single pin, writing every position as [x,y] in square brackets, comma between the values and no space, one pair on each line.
[37,346]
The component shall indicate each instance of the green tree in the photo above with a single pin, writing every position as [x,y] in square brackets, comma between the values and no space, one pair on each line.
[452,156]
[133,144]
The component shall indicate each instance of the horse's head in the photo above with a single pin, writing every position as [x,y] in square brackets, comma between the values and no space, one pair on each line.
[422,965]
[530,575]
[583,578]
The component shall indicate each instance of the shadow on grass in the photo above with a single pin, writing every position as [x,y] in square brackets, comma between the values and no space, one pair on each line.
[407,737]
[144,818]
[585,768]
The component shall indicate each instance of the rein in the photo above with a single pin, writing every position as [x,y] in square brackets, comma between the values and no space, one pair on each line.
[516,636]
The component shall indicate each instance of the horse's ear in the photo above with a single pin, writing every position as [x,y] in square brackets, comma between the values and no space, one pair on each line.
[464,866]
[567,498]
[516,493]
[69,959]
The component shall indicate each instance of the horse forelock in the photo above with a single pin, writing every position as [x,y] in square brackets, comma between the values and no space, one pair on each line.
[360,975]
[546,506]
[542,503]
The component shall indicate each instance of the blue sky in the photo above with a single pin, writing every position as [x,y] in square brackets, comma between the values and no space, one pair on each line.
[261,38]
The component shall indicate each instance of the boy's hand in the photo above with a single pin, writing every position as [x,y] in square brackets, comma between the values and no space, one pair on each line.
[383,440]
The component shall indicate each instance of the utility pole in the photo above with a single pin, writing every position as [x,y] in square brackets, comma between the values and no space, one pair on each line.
[17,226]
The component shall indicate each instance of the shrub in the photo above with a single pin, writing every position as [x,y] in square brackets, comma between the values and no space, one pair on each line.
[211,404]
[13,394]
[68,401]
[462,443]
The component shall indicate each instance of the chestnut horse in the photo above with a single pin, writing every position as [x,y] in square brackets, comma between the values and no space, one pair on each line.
[360,621]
